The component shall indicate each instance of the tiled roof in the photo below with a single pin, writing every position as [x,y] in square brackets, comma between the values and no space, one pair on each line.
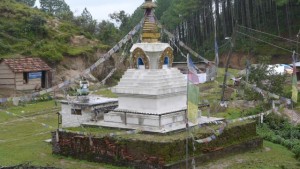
[26,64]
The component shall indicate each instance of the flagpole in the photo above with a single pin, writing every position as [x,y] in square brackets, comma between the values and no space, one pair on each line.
[186,115]
[298,46]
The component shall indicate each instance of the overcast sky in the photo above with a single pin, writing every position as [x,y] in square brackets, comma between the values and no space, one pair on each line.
[100,9]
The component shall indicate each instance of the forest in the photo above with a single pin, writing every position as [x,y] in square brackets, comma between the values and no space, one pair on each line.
[257,27]
[194,22]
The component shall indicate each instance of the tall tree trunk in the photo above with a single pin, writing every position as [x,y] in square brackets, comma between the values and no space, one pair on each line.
[277,21]
[217,17]
[288,19]
[224,18]
[229,18]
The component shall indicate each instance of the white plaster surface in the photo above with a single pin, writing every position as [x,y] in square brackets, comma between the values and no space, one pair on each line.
[153,105]
[151,82]
[70,120]
[153,52]
[93,100]
[152,91]
[156,129]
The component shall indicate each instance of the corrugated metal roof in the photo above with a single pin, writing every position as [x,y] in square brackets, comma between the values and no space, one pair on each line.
[26,64]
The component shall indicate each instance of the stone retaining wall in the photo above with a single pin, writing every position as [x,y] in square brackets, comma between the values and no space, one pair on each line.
[146,154]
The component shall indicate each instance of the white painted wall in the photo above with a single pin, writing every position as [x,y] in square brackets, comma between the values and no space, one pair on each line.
[70,120]
[153,105]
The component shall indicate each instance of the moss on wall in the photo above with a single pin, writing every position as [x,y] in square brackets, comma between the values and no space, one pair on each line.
[129,150]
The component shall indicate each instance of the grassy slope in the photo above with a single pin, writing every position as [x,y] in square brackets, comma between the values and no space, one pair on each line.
[21,139]
[272,156]
[31,32]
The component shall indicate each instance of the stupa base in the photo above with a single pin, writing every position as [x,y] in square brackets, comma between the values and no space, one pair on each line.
[162,123]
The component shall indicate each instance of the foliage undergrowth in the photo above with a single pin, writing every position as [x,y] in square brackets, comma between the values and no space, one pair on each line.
[280,131]
[31,32]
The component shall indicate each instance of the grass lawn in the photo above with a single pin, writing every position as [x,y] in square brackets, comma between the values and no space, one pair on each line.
[21,141]
[106,93]
[272,156]
[22,138]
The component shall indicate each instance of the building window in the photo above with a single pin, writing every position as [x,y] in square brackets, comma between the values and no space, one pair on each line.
[166,62]
[76,112]
[140,63]
[25,78]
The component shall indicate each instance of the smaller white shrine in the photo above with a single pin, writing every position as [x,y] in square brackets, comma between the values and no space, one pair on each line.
[75,111]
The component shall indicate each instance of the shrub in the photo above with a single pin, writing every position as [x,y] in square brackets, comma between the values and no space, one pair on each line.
[296,150]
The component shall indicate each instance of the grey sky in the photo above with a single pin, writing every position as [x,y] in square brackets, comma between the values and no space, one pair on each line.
[100,9]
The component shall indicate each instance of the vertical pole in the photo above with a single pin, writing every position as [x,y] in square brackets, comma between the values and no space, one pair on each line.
[58,120]
[297,58]
[187,141]
[226,70]
[186,116]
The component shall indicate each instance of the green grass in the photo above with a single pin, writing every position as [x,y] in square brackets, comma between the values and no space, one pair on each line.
[211,91]
[31,32]
[106,93]
[22,139]
[79,50]
[272,156]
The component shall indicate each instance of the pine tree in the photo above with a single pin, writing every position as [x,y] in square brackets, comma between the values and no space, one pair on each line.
[57,8]
[86,21]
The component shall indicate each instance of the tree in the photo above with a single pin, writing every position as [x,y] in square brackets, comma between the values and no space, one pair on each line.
[57,8]
[86,21]
[121,18]
[27,2]
[162,6]
[107,33]
[35,25]
[265,78]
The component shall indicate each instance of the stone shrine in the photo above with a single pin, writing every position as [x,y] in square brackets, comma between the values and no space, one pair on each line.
[152,95]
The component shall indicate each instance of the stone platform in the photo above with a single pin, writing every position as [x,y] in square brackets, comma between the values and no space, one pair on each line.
[150,123]
[144,150]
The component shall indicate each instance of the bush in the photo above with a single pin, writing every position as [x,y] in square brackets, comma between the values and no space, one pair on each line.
[278,130]
[296,150]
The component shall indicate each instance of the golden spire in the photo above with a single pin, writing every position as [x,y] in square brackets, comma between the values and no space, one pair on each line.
[150,29]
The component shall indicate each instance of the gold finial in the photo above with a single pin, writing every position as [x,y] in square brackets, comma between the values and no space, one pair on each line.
[149,4]
[150,29]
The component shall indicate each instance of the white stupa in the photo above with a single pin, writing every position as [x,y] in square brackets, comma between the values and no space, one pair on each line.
[152,95]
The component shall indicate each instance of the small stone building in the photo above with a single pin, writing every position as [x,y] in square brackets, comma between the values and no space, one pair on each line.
[76,112]
[24,74]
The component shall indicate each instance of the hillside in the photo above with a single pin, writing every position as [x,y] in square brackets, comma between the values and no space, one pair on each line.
[68,44]
[30,32]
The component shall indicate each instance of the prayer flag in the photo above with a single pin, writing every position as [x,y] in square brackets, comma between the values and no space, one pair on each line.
[193,92]
[192,72]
